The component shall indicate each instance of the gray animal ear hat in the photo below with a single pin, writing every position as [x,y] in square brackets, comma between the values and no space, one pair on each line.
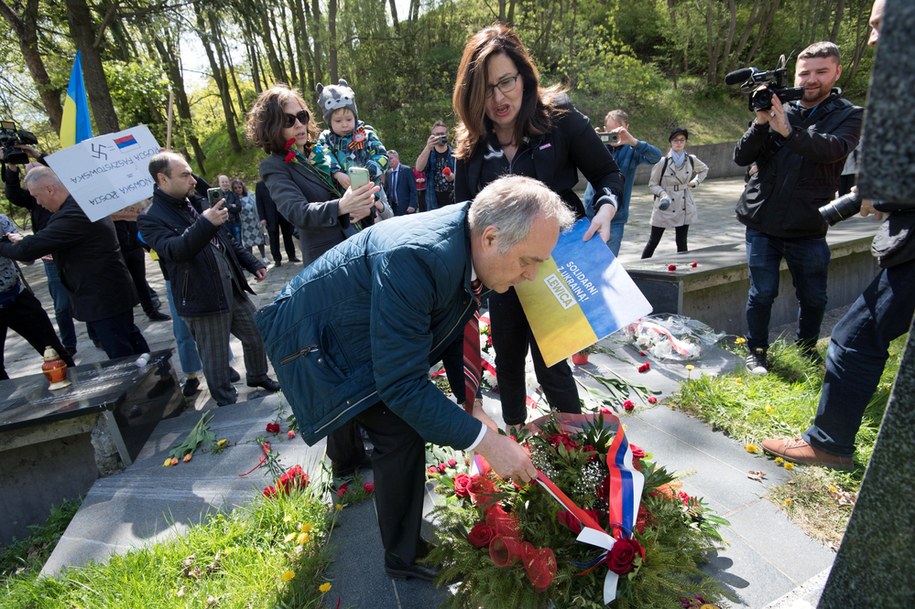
[334,97]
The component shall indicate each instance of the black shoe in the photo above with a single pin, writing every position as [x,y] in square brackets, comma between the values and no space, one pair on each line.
[234,376]
[294,260]
[158,316]
[191,386]
[342,471]
[268,384]
[414,571]
[277,264]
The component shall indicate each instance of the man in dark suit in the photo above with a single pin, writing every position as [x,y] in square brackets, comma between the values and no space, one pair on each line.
[276,224]
[400,186]
[90,264]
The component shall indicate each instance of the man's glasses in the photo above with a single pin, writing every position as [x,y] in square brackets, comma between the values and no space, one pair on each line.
[302,116]
[506,85]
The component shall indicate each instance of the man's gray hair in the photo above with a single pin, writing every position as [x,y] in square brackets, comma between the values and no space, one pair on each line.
[40,175]
[511,204]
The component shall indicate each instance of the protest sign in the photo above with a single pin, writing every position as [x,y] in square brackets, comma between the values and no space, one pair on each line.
[107,173]
[581,294]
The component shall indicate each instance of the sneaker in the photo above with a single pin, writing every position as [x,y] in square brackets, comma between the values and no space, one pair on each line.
[191,386]
[799,451]
[756,362]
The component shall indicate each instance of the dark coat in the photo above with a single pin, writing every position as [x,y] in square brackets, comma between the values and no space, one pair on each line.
[797,174]
[406,189]
[308,203]
[184,247]
[88,259]
[364,322]
[266,208]
[558,155]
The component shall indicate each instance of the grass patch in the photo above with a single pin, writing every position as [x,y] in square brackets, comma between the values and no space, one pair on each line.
[270,553]
[782,403]
[27,556]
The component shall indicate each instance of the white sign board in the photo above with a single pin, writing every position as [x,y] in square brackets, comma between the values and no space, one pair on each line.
[107,173]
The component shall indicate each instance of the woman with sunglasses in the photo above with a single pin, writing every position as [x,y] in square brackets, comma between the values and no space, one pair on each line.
[297,175]
[509,124]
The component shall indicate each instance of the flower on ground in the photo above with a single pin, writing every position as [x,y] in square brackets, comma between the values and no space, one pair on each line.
[273,428]
[833,489]
[369,487]
[690,367]
[670,267]
[789,501]
[269,491]
[302,538]
[222,443]
[451,462]
[652,400]
[645,367]
[339,507]
[628,405]
[324,588]
[789,466]
[188,457]
[605,410]
[694,264]
[289,537]
[342,490]
[168,462]
[288,574]
[739,340]
[779,460]
[751,448]
[290,434]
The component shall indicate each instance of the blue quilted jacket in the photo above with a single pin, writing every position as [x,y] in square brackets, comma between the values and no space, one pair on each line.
[364,322]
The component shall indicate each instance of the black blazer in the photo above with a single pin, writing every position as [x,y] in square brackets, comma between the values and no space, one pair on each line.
[558,155]
[406,189]
[308,203]
[88,259]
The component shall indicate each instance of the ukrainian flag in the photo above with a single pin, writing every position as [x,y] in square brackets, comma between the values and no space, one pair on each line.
[75,126]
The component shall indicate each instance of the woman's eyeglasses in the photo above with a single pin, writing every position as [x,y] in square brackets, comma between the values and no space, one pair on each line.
[506,85]
[302,116]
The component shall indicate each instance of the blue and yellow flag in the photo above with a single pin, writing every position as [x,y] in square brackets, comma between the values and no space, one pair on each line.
[75,126]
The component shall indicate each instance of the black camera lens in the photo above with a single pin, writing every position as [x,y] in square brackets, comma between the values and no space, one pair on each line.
[840,209]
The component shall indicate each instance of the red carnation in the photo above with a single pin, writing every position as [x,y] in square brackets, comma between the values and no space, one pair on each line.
[342,490]
[652,399]
[622,556]
[645,367]
[480,535]
[462,484]
[628,405]
[637,452]
[273,428]
[265,447]
[269,491]
[694,264]
[290,143]
[290,157]
[446,171]
[671,267]
[369,487]
[604,410]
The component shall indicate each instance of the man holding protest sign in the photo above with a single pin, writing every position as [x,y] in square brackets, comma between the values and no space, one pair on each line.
[89,261]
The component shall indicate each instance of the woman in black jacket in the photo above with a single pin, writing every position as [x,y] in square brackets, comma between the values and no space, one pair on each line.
[297,175]
[511,125]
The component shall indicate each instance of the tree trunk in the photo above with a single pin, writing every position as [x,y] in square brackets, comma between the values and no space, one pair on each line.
[332,40]
[288,51]
[225,63]
[414,10]
[82,30]
[300,25]
[279,74]
[220,79]
[26,31]
[393,5]
[837,22]
[318,40]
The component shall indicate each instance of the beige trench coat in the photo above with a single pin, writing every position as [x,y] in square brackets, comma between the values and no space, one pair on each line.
[675,185]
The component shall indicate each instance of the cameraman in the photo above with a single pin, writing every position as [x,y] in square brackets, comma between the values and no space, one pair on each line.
[20,197]
[800,149]
[859,342]
[436,161]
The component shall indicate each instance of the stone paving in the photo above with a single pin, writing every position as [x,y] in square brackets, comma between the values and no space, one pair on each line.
[147,502]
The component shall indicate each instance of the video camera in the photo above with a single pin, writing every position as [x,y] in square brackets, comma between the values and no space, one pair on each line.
[774,80]
[10,137]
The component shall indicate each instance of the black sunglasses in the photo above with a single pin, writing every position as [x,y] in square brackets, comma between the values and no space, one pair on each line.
[302,116]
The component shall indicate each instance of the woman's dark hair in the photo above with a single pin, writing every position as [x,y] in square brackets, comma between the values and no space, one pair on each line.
[267,119]
[469,98]
[676,132]
[244,190]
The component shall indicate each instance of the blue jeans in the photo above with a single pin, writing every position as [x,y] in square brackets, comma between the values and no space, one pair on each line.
[857,354]
[62,311]
[234,230]
[617,225]
[808,263]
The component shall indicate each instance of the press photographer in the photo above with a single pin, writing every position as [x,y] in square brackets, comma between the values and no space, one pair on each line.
[799,148]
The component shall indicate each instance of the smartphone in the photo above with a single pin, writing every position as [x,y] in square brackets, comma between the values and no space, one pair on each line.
[358,177]
[214,195]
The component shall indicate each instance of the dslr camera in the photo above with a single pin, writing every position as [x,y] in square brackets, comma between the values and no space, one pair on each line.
[10,137]
[774,80]
[610,139]
[840,209]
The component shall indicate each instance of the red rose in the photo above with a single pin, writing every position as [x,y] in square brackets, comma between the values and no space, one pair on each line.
[431,470]
[451,462]
[369,487]
[480,535]
[560,438]
[604,410]
[589,448]
[342,490]
[637,452]
[481,489]
[628,405]
[273,428]
[652,399]
[623,554]
[642,353]
[645,367]
[671,267]
[441,468]
[290,434]
[265,447]
[694,264]
[462,484]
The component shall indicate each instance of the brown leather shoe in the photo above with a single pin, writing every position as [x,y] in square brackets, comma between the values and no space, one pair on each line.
[799,451]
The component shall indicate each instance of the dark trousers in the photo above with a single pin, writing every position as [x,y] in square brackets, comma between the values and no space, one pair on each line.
[398,463]
[118,335]
[63,312]
[808,263]
[282,226]
[857,354]
[345,449]
[511,338]
[655,238]
[136,265]
[27,318]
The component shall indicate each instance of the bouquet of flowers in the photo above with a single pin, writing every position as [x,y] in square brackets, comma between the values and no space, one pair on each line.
[640,539]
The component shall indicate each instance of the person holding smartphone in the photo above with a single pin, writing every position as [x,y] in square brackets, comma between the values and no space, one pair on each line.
[436,161]
[298,177]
